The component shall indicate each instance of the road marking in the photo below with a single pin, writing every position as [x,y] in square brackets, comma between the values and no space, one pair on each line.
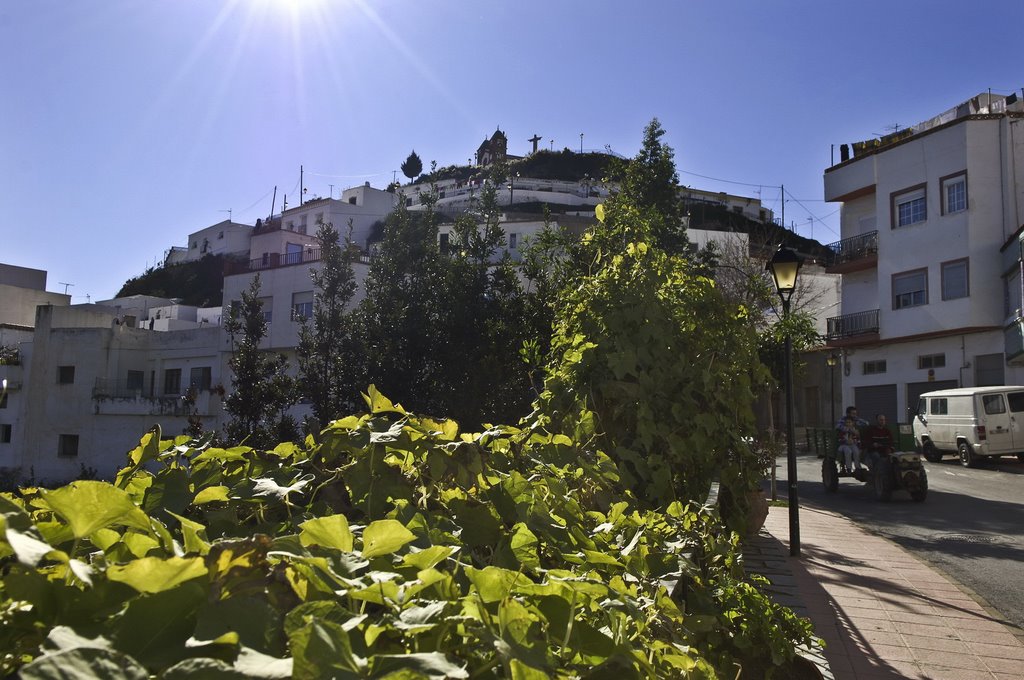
[951,474]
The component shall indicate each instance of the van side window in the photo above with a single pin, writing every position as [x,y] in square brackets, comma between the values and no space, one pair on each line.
[993,404]
[939,407]
[1016,400]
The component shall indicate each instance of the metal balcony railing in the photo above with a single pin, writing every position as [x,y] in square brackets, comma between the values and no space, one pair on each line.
[852,325]
[854,248]
[116,389]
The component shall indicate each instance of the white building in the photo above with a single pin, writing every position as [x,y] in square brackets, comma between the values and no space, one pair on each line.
[930,257]
[85,382]
[223,238]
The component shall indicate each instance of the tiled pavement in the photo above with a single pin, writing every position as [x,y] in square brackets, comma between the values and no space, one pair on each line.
[883,613]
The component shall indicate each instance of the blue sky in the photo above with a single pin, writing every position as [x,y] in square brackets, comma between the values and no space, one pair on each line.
[126,124]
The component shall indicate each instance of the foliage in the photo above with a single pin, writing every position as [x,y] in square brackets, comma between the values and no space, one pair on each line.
[665,365]
[199,282]
[441,331]
[398,323]
[262,391]
[413,166]
[395,547]
[10,355]
[565,165]
[650,184]
[327,355]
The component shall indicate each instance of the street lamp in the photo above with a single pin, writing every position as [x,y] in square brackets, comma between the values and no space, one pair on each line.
[832,360]
[512,188]
[784,267]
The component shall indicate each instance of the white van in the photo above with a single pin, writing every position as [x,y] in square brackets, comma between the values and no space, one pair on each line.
[972,422]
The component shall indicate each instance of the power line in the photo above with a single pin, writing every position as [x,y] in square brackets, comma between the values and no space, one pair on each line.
[729,181]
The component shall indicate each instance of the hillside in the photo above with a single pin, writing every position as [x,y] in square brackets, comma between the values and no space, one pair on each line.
[198,283]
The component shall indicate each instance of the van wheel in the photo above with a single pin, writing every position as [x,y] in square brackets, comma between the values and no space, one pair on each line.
[967,457]
[1020,457]
[883,480]
[830,474]
[931,454]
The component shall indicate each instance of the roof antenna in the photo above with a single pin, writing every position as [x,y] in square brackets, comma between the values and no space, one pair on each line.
[66,286]
[228,211]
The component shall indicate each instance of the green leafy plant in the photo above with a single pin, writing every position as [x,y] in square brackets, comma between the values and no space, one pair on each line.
[397,547]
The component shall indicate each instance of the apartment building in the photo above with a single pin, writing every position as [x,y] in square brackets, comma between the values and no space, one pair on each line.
[931,220]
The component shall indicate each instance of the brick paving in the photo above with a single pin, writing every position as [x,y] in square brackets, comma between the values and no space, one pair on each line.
[882,613]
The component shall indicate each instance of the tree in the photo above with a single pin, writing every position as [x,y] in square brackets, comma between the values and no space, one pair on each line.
[398,322]
[413,166]
[262,391]
[328,359]
[650,183]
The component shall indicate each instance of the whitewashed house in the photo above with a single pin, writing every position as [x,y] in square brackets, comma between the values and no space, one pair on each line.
[930,257]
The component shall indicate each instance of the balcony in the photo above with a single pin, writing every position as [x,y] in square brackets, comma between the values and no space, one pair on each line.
[278,260]
[853,329]
[126,398]
[853,254]
[1013,340]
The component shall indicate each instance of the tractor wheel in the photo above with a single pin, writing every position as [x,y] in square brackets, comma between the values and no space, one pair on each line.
[883,480]
[830,474]
[921,492]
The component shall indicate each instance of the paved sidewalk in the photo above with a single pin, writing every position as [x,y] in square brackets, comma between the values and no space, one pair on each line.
[882,612]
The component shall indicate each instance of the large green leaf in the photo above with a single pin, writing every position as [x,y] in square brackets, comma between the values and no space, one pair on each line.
[91,505]
[154,628]
[433,665]
[322,649]
[84,663]
[495,584]
[155,574]
[384,537]
[28,548]
[330,532]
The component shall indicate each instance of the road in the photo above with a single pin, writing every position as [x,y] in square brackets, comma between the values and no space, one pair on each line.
[971,526]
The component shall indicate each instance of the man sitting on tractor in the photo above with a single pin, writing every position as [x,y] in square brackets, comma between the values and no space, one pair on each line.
[879,438]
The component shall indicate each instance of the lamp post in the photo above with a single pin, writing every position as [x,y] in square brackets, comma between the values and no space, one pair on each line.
[784,267]
[832,360]
[512,188]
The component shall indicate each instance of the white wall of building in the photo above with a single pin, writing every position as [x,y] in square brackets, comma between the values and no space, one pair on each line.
[961,329]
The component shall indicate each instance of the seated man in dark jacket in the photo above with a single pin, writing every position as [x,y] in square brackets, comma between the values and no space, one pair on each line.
[878,438]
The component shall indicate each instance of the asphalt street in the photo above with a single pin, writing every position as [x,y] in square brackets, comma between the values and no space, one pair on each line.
[970,527]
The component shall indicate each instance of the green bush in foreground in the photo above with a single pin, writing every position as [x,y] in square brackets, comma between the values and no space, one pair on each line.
[392,547]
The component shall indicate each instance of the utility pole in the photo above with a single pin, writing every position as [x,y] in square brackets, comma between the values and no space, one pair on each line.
[332,191]
[581,143]
[273,202]
[302,189]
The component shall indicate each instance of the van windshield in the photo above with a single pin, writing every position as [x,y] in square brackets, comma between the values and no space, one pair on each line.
[1016,400]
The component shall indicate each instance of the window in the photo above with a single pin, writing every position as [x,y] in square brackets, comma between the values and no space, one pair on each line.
[3,400]
[200,378]
[172,381]
[954,280]
[5,434]
[931,361]
[909,206]
[65,375]
[874,367]
[134,381]
[939,407]
[954,193]
[268,311]
[993,404]
[1016,400]
[302,305]
[67,445]
[220,235]
[291,225]
[513,241]
[319,218]
[443,239]
[910,289]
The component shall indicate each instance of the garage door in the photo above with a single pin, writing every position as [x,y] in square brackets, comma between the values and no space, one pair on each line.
[870,401]
[915,390]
